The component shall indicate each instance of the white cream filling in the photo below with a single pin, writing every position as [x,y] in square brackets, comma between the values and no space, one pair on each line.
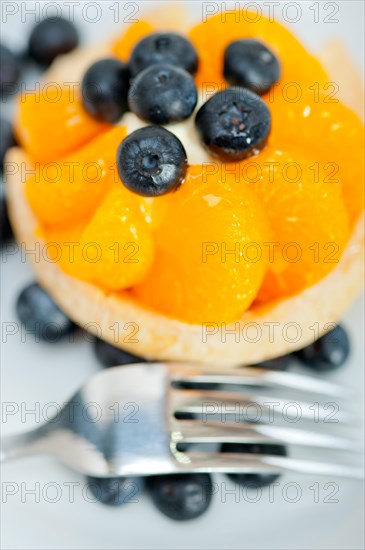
[185,131]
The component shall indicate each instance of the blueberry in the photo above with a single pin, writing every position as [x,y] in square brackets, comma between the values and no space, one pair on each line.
[163,94]
[169,48]
[250,64]
[254,480]
[328,352]
[10,70]
[115,491]
[110,356]
[50,38]
[105,89]
[181,496]
[5,227]
[7,139]
[151,161]
[39,314]
[277,363]
[234,124]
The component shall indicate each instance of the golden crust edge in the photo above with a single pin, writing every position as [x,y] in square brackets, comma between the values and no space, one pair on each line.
[305,315]
[162,338]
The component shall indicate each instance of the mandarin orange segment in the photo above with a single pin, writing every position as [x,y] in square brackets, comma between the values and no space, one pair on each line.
[63,247]
[307,218]
[330,133]
[211,37]
[209,261]
[51,127]
[116,248]
[153,210]
[70,190]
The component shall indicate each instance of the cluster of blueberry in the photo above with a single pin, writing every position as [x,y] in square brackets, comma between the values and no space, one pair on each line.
[180,497]
[157,85]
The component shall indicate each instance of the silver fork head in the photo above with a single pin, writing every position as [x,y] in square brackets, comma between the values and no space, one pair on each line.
[135,426]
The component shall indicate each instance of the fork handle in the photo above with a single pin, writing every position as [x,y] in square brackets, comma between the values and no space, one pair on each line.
[18,445]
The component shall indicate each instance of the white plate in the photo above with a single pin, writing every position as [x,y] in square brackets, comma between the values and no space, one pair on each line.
[36,374]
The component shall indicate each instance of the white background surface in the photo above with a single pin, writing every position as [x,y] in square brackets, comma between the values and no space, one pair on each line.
[39,373]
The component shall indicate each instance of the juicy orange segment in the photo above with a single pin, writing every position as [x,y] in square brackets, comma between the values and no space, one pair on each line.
[124,45]
[209,262]
[116,248]
[70,190]
[330,133]
[52,124]
[153,210]
[212,36]
[63,247]
[307,218]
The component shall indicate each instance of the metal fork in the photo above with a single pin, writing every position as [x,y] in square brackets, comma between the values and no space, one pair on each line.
[148,417]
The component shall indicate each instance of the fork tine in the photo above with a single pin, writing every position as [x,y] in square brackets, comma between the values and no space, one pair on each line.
[246,376]
[251,464]
[190,431]
[205,402]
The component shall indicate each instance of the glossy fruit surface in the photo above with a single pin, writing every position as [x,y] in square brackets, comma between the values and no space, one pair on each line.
[116,247]
[151,161]
[233,124]
[111,356]
[330,133]
[209,260]
[115,491]
[162,93]
[249,63]
[10,70]
[181,497]
[53,123]
[307,217]
[254,480]
[41,316]
[156,48]
[69,191]
[105,88]
[328,352]
[50,38]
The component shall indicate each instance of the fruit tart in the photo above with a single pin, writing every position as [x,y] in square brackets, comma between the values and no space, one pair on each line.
[198,195]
